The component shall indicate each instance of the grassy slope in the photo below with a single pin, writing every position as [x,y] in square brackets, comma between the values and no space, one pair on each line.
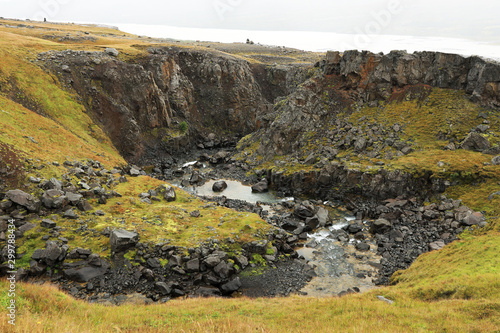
[455,289]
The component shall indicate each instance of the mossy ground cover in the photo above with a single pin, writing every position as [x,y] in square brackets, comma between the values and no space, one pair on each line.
[157,223]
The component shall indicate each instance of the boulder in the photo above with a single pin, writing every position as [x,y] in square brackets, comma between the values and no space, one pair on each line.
[241,261]
[311,223]
[84,205]
[475,142]
[437,245]
[46,223]
[121,240]
[259,247]
[195,178]
[323,216]
[304,210]
[231,286]
[261,186]
[212,260]
[193,265]
[362,246]
[153,262]
[380,226]
[163,288]
[86,273]
[195,213]
[175,260]
[73,198]
[219,186]
[70,214]
[473,219]
[134,172]
[111,51]
[54,199]
[52,253]
[23,199]
[222,269]
[167,192]
[207,292]
[219,157]
[495,160]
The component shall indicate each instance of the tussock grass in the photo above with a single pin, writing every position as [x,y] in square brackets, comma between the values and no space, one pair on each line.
[45,309]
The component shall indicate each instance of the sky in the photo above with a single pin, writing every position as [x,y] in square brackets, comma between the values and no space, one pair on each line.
[477,20]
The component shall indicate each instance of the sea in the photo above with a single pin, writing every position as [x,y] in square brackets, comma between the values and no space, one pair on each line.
[322,41]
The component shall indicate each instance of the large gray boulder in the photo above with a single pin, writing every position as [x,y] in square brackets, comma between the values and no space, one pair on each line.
[261,186]
[380,226]
[166,191]
[475,142]
[54,199]
[231,286]
[112,51]
[23,199]
[89,271]
[121,240]
[219,186]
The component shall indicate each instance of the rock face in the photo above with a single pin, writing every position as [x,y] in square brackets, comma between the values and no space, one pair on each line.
[379,73]
[211,91]
[358,78]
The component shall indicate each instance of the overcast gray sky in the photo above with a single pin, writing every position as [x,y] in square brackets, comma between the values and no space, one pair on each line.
[479,19]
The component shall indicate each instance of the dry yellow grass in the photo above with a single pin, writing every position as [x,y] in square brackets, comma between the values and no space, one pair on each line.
[44,309]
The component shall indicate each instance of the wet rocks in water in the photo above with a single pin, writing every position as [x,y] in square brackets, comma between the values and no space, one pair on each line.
[196,178]
[304,210]
[219,186]
[121,240]
[261,186]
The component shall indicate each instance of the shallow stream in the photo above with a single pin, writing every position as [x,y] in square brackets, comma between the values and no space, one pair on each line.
[338,265]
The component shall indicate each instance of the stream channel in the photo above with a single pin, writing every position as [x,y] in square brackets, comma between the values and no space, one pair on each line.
[331,251]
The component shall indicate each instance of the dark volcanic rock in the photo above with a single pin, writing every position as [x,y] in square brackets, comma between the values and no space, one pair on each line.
[87,272]
[261,187]
[231,286]
[166,191]
[54,199]
[380,226]
[46,223]
[121,240]
[219,186]
[23,199]
[476,142]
